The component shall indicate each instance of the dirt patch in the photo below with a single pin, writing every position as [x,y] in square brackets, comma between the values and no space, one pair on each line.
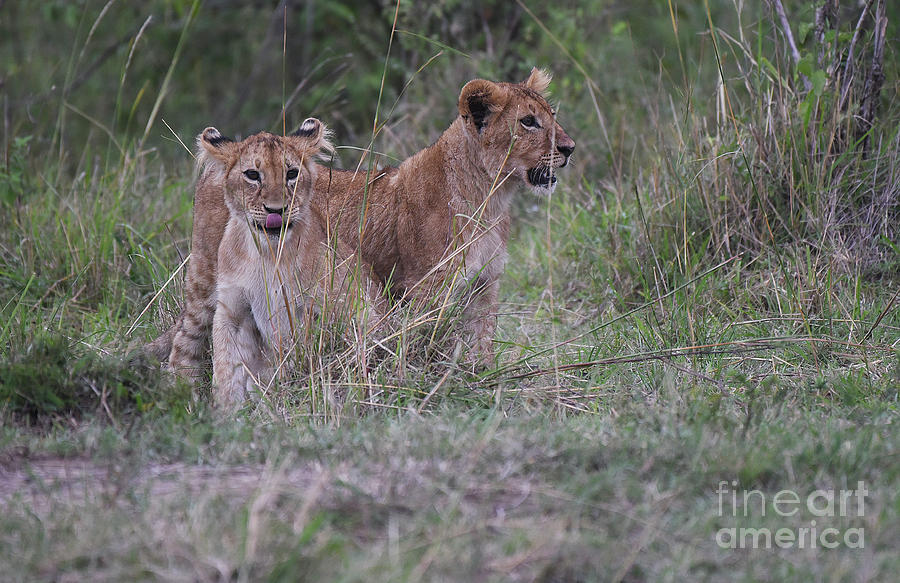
[42,483]
[79,480]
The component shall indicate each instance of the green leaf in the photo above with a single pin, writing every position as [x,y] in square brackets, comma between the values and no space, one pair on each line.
[803,31]
[818,80]
[806,110]
[805,66]
[768,66]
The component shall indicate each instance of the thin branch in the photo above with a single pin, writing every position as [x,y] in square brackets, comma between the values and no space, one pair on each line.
[848,67]
[786,29]
[874,78]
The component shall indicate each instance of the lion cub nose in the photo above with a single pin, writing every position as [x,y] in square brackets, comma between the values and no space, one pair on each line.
[566,149]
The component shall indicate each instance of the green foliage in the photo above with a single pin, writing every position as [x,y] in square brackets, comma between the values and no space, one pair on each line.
[48,380]
[468,492]
[14,178]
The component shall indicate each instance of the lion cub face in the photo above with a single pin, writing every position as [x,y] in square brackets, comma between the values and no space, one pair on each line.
[268,178]
[516,129]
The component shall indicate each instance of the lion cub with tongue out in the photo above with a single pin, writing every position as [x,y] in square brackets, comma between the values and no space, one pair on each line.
[278,270]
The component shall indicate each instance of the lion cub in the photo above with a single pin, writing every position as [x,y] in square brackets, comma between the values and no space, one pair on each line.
[277,268]
[441,216]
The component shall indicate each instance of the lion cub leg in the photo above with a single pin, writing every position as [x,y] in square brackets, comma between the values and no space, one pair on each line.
[479,325]
[239,351]
[189,357]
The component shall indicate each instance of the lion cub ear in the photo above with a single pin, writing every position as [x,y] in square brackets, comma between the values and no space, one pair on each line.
[212,145]
[539,80]
[315,133]
[479,100]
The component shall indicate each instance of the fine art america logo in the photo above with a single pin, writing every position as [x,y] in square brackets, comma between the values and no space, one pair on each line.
[816,511]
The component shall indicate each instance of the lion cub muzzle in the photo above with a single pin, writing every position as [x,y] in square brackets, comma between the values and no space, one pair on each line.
[544,174]
[274,222]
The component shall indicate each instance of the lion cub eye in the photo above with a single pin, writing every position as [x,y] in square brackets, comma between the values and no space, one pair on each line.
[292,174]
[252,175]
[529,121]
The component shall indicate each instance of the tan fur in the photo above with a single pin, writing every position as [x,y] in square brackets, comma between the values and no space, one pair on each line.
[444,209]
[270,283]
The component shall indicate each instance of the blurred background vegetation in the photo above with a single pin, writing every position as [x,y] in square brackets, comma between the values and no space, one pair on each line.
[90,69]
[78,72]
[85,78]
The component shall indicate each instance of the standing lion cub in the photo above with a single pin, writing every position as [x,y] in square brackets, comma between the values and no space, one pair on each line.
[277,268]
[433,227]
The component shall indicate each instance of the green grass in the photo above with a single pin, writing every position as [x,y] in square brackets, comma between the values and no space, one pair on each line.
[711,295]
[465,493]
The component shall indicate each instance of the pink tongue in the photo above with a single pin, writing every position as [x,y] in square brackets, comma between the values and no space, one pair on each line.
[273,221]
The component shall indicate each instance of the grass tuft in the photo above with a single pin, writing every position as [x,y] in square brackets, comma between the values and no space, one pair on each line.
[47,381]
